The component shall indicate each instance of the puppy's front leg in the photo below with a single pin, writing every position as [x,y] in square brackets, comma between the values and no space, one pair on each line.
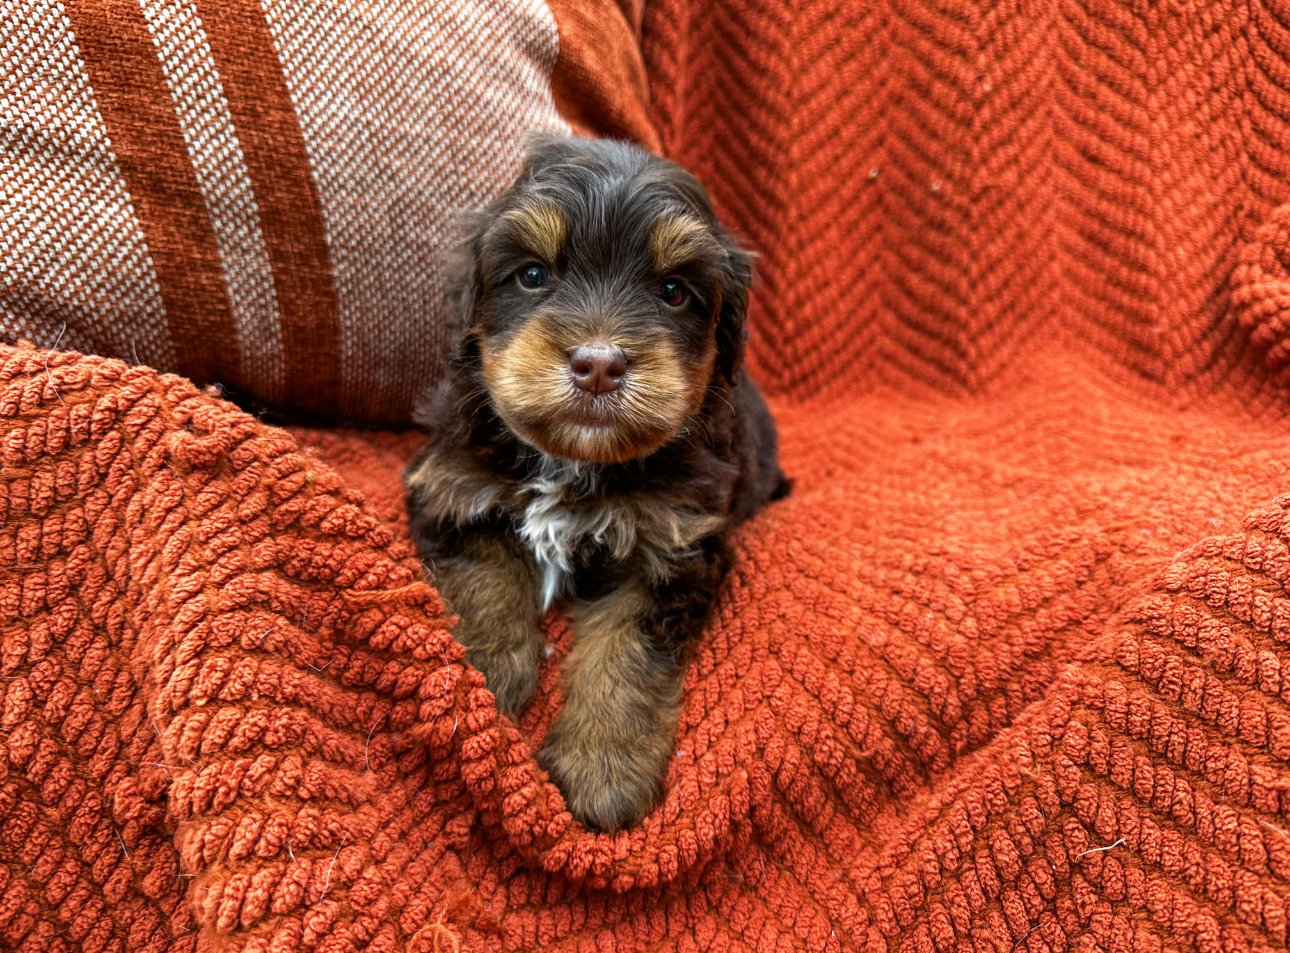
[489,583]
[608,750]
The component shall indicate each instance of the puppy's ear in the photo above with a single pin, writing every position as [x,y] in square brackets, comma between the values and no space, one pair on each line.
[732,320]
[464,280]
[464,287]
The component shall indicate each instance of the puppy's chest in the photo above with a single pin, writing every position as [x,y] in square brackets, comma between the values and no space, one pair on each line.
[568,524]
[565,523]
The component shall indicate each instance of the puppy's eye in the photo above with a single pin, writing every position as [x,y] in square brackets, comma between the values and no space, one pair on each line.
[673,293]
[532,277]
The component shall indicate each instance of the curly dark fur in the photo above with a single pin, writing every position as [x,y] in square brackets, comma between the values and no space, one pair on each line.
[532,490]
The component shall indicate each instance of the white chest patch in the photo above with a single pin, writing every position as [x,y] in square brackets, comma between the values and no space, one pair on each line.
[558,515]
[547,529]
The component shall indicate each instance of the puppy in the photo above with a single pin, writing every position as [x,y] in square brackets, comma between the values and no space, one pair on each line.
[594,440]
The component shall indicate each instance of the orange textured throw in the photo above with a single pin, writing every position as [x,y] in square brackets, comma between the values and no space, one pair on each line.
[999,675]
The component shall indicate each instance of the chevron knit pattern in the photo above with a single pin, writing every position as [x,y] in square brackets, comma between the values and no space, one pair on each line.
[1009,671]
[931,186]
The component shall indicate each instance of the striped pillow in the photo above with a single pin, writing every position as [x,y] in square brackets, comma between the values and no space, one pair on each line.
[256,193]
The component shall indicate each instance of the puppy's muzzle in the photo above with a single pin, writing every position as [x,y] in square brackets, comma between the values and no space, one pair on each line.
[598,367]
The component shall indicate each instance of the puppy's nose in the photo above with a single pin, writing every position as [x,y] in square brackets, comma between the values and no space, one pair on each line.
[598,367]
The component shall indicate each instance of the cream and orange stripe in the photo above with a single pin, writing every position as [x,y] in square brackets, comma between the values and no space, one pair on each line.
[206,121]
[120,59]
[74,262]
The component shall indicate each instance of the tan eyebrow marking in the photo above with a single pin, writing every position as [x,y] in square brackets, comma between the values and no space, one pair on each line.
[676,240]
[542,227]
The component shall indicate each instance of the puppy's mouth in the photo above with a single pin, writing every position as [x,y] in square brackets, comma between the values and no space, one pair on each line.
[609,410]
[595,410]
[592,428]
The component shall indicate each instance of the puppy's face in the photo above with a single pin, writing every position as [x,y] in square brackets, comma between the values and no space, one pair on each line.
[602,301]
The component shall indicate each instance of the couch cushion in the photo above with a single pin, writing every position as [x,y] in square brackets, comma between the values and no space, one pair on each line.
[258,195]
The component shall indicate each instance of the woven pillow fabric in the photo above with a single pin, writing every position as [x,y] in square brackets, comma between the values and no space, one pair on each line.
[259,194]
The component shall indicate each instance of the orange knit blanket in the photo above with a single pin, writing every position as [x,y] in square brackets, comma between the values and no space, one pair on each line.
[1004,674]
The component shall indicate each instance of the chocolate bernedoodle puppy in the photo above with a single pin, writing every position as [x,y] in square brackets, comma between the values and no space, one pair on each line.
[593,444]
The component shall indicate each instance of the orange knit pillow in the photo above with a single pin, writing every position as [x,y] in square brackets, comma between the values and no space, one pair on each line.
[258,194]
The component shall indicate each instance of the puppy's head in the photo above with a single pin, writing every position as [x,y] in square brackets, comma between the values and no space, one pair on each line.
[600,300]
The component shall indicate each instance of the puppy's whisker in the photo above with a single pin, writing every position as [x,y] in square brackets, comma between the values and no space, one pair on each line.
[714,389]
[470,397]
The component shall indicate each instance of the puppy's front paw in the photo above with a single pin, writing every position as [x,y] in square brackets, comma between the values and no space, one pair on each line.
[606,786]
[511,673]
